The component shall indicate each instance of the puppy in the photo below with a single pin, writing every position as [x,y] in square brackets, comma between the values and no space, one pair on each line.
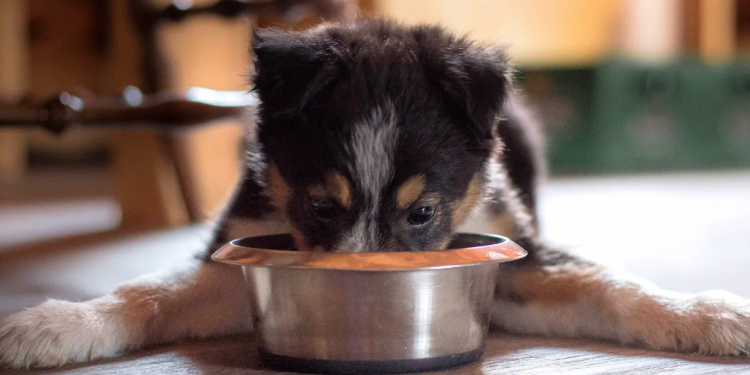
[374,136]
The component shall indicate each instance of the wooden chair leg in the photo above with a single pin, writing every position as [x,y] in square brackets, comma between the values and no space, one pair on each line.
[208,163]
[146,182]
[144,173]
[13,82]
[12,155]
[208,52]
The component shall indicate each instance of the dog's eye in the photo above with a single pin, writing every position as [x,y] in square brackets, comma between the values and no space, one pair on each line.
[421,215]
[323,208]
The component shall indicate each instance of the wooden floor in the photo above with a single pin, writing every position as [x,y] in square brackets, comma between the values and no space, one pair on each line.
[504,354]
[692,232]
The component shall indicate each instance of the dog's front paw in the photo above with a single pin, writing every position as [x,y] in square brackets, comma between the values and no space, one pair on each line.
[711,323]
[725,323]
[58,332]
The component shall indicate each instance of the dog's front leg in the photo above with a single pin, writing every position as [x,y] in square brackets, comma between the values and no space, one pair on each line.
[555,294]
[561,296]
[196,300]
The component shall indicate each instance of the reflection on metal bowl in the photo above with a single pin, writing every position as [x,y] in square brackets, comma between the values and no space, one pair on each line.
[370,312]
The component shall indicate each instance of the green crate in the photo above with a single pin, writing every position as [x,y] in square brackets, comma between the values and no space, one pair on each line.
[641,120]
[627,116]
[562,99]
[732,129]
[702,105]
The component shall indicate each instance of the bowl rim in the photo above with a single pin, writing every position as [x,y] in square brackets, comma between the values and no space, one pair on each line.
[503,250]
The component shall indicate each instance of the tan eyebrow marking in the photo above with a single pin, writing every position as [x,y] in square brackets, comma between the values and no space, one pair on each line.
[279,188]
[410,191]
[467,202]
[340,187]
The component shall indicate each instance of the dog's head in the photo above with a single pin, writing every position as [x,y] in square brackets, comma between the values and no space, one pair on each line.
[376,135]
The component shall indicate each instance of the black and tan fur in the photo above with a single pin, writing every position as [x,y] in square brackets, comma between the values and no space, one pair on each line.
[363,128]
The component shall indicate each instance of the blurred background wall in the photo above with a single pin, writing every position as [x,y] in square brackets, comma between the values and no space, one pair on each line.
[622,86]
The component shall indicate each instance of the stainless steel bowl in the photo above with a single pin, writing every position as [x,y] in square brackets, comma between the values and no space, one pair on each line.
[370,312]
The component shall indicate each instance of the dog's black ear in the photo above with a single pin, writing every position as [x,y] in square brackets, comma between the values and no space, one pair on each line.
[291,67]
[477,79]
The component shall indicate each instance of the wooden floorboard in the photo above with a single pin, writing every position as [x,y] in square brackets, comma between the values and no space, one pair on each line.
[504,354]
